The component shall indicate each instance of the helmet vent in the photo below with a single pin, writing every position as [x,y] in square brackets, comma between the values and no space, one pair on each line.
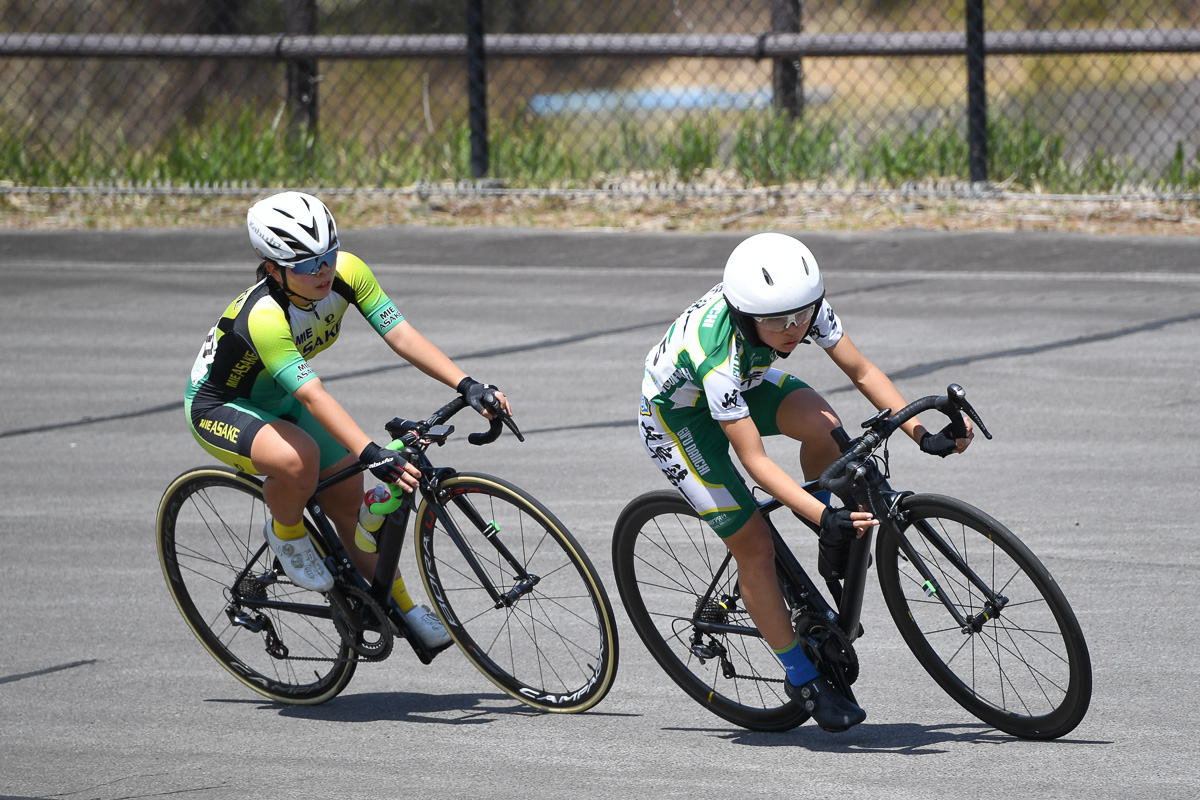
[804,261]
[767,277]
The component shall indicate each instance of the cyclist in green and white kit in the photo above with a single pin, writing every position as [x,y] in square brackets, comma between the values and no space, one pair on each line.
[710,383]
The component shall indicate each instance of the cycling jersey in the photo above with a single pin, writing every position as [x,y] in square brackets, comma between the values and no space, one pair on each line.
[260,348]
[703,361]
[257,355]
[701,372]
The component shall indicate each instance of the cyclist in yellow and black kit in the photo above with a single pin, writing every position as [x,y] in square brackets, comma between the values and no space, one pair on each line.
[255,403]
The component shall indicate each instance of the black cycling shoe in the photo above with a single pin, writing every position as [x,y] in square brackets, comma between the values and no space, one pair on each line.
[826,705]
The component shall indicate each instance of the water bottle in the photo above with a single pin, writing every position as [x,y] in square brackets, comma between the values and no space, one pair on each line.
[369,523]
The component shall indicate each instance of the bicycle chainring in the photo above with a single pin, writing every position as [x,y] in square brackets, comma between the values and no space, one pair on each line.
[361,623]
[828,648]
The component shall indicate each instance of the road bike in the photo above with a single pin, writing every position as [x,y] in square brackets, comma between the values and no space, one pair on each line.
[516,592]
[979,611]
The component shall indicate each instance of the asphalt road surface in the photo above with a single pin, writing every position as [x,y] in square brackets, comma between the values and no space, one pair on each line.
[1079,352]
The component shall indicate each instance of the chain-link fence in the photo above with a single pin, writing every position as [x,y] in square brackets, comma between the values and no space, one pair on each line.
[593,104]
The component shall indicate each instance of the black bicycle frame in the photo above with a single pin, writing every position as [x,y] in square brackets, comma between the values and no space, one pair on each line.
[391,543]
[805,590]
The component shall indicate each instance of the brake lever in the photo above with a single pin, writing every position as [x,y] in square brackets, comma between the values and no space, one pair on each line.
[496,425]
[863,489]
[493,405]
[512,426]
[958,398]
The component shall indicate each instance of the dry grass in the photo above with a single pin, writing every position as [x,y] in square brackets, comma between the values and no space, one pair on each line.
[794,210]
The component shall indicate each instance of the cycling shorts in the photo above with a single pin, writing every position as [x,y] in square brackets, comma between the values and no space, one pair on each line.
[692,451]
[227,431]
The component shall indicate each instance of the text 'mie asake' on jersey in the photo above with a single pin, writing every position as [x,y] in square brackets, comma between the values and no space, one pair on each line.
[258,353]
[703,360]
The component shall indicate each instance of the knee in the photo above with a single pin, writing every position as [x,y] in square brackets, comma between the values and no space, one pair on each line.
[819,449]
[821,442]
[298,464]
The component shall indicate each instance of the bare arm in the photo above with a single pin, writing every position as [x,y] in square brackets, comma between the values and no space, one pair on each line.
[423,354]
[748,445]
[342,427]
[878,388]
[332,416]
[409,344]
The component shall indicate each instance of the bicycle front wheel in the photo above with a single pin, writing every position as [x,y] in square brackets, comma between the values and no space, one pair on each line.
[680,589]
[210,532]
[1020,662]
[517,594]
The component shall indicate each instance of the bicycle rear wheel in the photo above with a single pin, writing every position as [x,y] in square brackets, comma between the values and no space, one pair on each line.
[665,560]
[1023,668]
[551,642]
[209,529]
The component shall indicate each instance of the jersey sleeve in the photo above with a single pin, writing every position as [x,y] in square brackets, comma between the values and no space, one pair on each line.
[271,337]
[720,376]
[827,329]
[368,296]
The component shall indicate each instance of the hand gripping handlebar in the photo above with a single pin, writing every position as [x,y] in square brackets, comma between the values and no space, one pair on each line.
[401,428]
[953,404]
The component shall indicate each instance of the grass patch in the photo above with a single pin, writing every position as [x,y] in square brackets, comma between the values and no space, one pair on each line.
[763,150]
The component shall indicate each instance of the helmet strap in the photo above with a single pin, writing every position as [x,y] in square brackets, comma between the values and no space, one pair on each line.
[745,326]
[283,284]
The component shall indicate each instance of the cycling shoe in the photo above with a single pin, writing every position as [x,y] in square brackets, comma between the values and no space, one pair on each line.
[826,705]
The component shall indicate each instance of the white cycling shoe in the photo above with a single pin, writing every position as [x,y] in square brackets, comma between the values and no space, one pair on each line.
[427,626]
[300,561]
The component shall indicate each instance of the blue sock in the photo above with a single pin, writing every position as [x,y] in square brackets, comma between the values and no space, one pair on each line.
[799,669]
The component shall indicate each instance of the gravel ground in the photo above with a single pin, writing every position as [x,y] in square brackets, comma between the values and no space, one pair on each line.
[649,207]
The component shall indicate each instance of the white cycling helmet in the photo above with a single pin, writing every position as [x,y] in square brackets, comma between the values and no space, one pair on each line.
[771,275]
[291,227]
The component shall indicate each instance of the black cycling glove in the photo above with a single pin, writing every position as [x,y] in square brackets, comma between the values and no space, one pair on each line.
[386,465]
[480,396]
[940,444]
[836,526]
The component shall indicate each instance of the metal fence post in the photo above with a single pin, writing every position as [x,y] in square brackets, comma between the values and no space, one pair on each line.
[977,135]
[300,17]
[477,89]
[788,78]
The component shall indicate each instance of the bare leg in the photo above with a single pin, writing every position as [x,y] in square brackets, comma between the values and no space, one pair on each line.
[341,503]
[806,417]
[289,459]
[755,555]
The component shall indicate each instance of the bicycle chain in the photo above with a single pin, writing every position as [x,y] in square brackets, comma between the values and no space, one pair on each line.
[274,642]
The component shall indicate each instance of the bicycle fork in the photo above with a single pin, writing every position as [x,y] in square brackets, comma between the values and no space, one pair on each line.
[525,581]
[993,604]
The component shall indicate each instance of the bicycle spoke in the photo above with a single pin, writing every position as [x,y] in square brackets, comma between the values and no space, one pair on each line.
[208,521]
[1021,664]
[551,644]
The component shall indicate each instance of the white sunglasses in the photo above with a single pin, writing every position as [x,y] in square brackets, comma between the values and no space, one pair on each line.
[802,318]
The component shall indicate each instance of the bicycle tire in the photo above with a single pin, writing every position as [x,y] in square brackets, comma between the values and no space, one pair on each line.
[1038,680]
[554,647]
[665,558]
[209,527]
